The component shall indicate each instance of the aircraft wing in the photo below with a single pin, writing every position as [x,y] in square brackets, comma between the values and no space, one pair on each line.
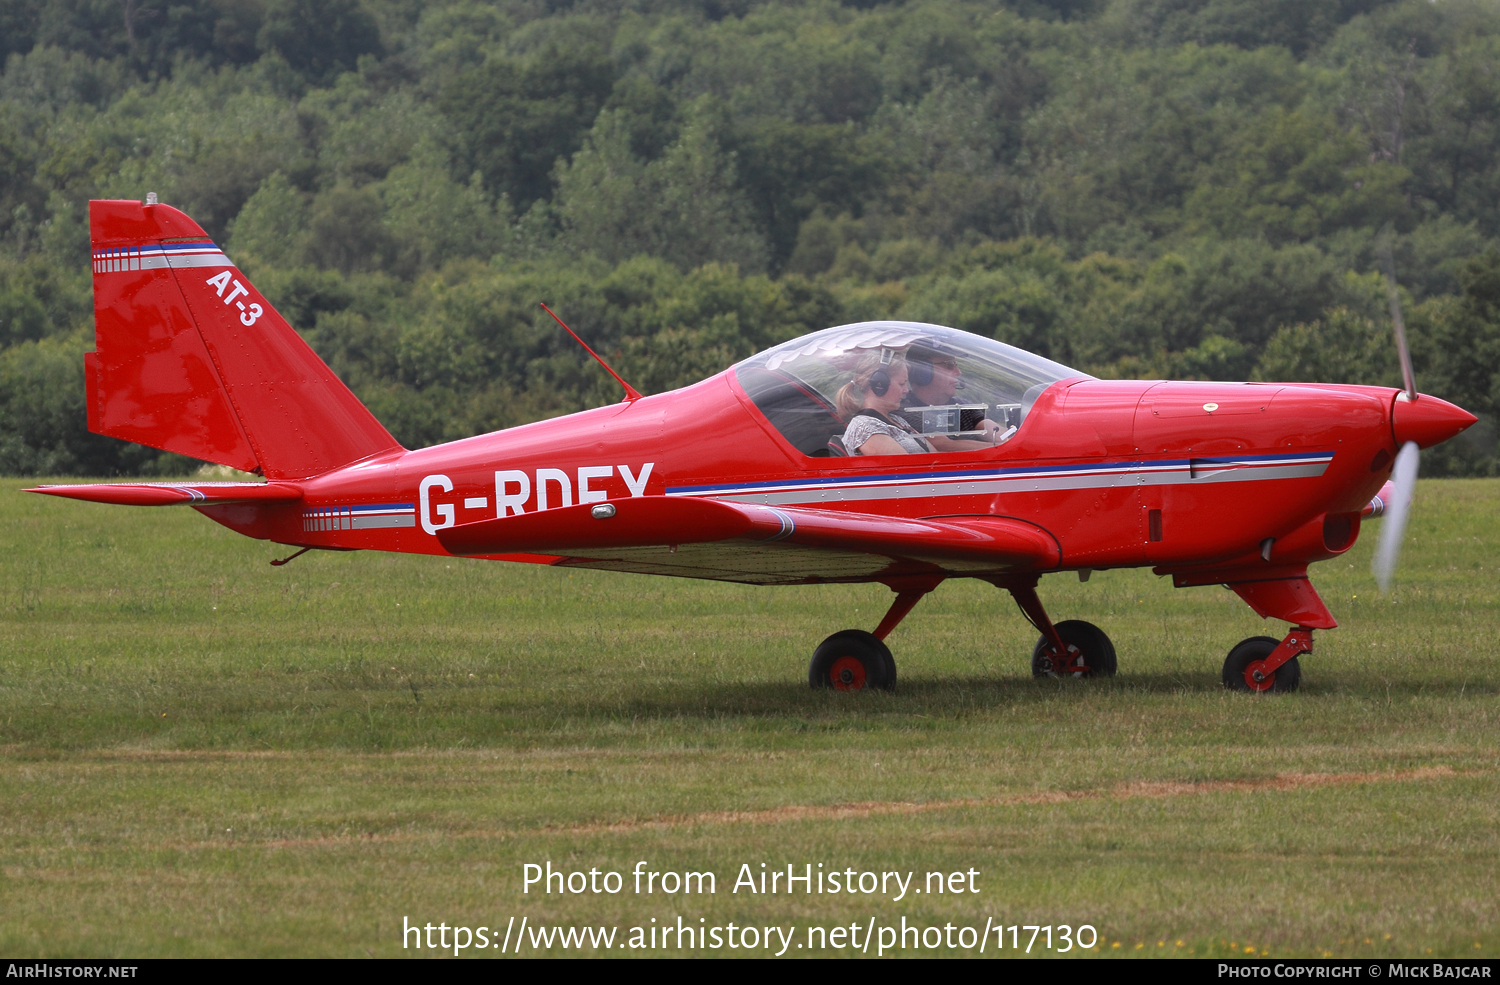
[174,493]
[707,538]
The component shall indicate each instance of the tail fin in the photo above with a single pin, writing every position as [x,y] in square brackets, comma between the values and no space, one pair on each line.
[190,358]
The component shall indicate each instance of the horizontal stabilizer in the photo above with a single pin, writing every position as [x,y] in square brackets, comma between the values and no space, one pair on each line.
[649,521]
[174,493]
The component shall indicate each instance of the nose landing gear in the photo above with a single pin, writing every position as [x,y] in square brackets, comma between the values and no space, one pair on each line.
[1262,663]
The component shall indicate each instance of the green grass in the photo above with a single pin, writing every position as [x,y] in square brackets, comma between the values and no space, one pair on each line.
[203,755]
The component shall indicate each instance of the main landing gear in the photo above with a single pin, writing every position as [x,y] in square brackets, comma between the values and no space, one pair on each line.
[1088,652]
[1072,648]
[1261,663]
[854,660]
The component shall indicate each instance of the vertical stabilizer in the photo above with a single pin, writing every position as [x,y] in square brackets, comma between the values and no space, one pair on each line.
[190,358]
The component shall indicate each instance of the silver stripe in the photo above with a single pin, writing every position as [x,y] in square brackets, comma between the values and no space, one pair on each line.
[1024,483]
[1091,478]
[1264,472]
[216,259]
[382,520]
[122,263]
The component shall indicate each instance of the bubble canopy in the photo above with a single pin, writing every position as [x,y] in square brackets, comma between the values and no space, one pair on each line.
[796,383]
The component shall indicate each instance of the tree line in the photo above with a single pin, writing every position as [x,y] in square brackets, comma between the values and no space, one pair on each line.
[1137,188]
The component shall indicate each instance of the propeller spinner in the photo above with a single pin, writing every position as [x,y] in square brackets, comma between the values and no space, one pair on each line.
[1417,421]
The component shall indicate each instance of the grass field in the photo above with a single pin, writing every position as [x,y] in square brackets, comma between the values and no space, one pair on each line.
[202,755]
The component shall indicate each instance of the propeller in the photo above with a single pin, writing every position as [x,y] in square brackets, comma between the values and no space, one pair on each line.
[1393,527]
[1404,474]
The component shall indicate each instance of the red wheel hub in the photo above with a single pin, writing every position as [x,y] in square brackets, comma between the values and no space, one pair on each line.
[1070,663]
[847,674]
[1266,680]
[1261,674]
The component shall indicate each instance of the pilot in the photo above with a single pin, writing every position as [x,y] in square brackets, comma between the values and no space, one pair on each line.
[866,403]
[935,381]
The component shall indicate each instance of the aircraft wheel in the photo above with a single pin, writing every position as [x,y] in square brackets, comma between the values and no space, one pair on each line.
[1286,679]
[852,660]
[1088,648]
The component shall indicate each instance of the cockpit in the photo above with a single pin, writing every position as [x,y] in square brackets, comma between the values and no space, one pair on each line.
[947,390]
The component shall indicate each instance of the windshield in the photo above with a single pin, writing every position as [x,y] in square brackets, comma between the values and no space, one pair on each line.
[947,389]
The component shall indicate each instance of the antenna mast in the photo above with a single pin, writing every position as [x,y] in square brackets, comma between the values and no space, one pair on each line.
[631,394]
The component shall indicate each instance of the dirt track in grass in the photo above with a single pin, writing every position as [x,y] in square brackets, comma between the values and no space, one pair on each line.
[837,812]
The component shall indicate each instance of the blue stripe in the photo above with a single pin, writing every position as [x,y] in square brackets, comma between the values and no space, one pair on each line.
[110,251]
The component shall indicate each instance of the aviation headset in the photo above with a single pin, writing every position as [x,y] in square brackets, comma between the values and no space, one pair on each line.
[880,380]
[919,360]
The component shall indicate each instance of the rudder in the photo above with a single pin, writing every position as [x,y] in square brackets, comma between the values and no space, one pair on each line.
[190,358]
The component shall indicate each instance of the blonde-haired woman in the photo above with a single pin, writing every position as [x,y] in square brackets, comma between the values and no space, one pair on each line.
[867,402]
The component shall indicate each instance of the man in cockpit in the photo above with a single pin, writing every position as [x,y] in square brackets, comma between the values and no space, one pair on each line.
[935,381]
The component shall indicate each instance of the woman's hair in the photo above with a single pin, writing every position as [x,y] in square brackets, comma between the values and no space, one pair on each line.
[851,396]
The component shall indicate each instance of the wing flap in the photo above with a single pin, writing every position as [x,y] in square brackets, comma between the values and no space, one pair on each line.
[967,538]
[573,532]
[644,521]
[175,493]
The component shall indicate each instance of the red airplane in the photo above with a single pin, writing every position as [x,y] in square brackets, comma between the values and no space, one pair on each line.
[995,463]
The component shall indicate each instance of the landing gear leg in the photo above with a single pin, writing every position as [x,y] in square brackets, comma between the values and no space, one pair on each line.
[903,603]
[855,660]
[1072,648]
[1261,664]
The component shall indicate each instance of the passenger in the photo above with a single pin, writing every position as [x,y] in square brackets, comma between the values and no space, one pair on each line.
[935,381]
[866,402]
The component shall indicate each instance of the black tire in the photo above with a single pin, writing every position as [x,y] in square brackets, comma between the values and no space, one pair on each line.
[1288,676]
[1089,646]
[852,660]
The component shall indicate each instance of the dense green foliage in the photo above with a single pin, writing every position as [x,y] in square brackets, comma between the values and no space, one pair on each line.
[1187,188]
